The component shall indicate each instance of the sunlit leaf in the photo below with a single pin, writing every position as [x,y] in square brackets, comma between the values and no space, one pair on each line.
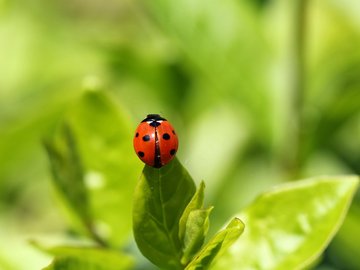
[68,172]
[97,175]
[196,202]
[289,227]
[159,201]
[104,135]
[217,245]
[197,226]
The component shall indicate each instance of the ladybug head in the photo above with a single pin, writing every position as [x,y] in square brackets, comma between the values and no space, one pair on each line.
[153,117]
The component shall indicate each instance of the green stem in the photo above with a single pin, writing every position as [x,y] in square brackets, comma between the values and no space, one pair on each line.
[95,236]
[293,156]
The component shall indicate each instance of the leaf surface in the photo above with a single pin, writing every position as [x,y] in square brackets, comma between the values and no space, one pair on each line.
[197,227]
[217,245]
[197,202]
[68,173]
[100,187]
[159,201]
[290,226]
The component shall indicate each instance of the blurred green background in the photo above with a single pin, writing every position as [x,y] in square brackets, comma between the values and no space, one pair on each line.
[260,92]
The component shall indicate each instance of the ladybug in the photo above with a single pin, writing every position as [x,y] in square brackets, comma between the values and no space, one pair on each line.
[155,141]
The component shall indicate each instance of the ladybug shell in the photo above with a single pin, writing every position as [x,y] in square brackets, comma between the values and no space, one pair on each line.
[155,141]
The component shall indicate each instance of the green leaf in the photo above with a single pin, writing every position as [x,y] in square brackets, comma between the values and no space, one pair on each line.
[86,258]
[196,202]
[68,172]
[217,245]
[197,227]
[159,201]
[290,226]
[104,134]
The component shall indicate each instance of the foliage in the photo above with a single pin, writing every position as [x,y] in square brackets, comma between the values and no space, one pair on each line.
[159,201]
[170,223]
[287,232]
[91,258]
[260,93]
[96,194]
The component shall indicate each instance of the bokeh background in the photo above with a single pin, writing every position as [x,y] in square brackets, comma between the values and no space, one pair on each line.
[260,92]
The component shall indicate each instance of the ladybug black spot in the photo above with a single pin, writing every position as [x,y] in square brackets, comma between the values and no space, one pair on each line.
[141,154]
[146,138]
[166,136]
[137,134]
[172,152]
[174,132]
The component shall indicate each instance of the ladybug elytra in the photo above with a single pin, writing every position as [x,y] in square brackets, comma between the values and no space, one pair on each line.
[155,141]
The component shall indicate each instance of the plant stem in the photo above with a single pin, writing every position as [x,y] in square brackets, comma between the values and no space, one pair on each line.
[95,236]
[293,157]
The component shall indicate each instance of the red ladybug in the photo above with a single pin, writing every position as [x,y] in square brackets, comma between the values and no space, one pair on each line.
[155,141]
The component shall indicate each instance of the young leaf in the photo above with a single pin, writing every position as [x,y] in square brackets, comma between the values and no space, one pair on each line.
[217,245]
[197,227]
[159,201]
[289,227]
[86,258]
[196,202]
